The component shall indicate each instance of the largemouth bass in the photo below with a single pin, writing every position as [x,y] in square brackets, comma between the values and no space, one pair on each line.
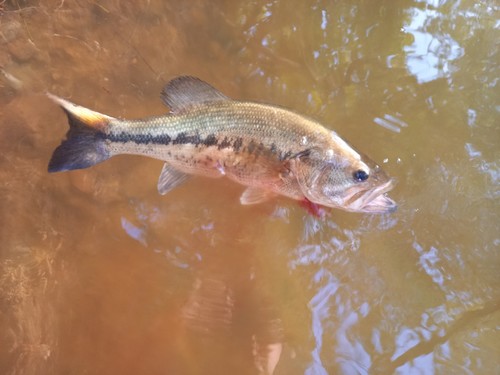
[270,150]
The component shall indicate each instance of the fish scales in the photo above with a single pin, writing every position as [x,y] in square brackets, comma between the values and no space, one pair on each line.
[244,128]
[246,140]
[269,149]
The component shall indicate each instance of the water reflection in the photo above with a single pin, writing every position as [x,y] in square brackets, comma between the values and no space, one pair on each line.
[432,52]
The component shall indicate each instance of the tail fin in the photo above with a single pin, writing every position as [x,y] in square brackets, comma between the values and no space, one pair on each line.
[85,140]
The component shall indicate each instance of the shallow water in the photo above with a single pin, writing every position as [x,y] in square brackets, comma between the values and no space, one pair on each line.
[100,274]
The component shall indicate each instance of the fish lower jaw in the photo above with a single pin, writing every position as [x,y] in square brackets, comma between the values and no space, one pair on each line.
[371,201]
[381,204]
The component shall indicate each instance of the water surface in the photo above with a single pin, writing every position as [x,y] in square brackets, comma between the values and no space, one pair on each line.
[99,274]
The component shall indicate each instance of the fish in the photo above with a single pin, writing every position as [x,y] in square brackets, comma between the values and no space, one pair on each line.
[270,150]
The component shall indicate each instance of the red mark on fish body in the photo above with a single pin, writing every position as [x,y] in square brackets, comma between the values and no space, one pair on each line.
[313,208]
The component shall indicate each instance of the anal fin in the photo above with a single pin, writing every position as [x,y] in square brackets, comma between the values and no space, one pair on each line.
[255,195]
[170,178]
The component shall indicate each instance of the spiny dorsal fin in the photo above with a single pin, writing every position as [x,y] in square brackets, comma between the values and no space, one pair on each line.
[170,178]
[184,91]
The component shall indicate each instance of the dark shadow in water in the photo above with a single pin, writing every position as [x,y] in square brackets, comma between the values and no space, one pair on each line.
[226,307]
[231,318]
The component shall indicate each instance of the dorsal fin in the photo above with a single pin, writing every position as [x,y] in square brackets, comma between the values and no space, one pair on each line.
[181,92]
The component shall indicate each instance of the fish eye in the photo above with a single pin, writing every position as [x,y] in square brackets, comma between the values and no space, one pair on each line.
[360,175]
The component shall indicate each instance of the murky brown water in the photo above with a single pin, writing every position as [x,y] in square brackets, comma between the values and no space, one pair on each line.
[101,275]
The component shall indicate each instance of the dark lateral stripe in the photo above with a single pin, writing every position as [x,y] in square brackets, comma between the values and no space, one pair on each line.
[224,144]
[181,139]
[146,139]
[184,139]
[237,144]
[195,139]
[211,140]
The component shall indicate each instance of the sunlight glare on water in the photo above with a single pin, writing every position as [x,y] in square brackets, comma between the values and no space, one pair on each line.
[100,274]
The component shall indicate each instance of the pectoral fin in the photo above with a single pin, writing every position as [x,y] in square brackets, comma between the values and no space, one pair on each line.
[255,195]
[170,178]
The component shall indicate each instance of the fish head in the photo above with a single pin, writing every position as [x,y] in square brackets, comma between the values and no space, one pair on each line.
[343,178]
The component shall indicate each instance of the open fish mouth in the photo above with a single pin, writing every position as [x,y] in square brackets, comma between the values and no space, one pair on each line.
[372,201]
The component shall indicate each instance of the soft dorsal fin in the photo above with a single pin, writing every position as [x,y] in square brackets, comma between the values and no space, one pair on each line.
[184,91]
[170,178]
